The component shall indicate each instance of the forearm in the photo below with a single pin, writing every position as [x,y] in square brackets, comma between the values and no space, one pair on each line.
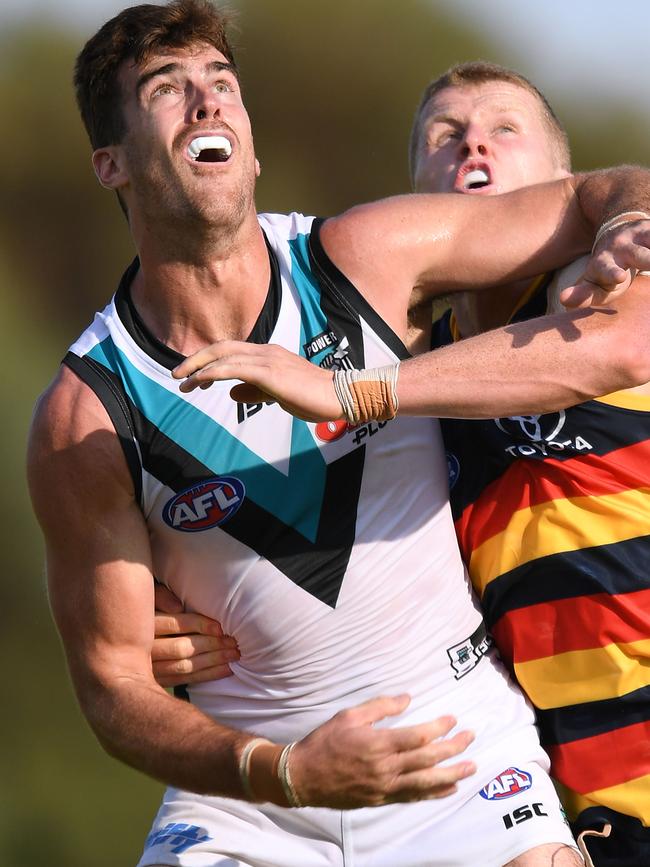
[531,367]
[172,741]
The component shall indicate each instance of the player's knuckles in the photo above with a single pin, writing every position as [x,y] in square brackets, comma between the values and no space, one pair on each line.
[180,648]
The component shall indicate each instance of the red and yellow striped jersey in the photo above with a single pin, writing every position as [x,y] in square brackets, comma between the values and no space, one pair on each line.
[552,514]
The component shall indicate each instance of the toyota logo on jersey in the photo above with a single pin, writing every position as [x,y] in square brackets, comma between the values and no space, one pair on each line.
[510,782]
[205,505]
[538,428]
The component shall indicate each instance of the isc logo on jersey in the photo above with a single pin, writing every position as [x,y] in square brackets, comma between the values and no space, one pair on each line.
[510,782]
[206,505]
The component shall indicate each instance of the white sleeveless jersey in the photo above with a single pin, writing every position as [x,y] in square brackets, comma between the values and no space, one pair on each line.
[327,551]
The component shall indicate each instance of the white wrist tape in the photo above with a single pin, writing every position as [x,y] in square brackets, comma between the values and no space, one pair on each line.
[618,220]
[245,765]
[368,395]
[285,777]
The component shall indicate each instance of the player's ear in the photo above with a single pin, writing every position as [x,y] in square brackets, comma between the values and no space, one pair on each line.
[108,163]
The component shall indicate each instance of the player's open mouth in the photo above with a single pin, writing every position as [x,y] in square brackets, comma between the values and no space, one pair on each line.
[475,180]
[209,149]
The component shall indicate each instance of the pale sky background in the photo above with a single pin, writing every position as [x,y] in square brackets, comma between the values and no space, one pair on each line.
[583,47]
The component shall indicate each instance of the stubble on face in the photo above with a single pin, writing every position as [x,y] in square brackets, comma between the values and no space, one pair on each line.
[185,204]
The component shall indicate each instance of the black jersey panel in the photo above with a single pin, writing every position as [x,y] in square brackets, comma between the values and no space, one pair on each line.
[346,296]
[168,357]
[110,393]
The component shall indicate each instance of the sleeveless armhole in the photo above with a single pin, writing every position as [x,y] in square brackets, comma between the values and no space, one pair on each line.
[115,405]
[347,295]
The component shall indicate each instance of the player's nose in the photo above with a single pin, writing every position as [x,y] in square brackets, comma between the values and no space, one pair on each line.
[206,103]
[474,142]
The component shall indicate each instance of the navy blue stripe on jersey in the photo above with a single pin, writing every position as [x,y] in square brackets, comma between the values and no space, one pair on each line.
[110,393]
[565,724]
[620,567]
[347,296]
[591,429]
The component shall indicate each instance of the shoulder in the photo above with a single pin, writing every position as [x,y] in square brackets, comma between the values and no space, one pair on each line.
[73,452]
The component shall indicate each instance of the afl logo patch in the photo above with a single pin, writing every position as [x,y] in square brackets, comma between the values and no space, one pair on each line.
[206,505]
[510,782]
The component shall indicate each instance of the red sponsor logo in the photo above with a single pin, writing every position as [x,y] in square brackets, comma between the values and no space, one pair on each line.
[328,431]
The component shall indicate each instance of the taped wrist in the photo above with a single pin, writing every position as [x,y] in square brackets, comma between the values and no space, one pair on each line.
[618,220]
[368,395]
[245,766]
[285,777]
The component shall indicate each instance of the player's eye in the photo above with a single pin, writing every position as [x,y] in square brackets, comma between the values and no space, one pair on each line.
[162,89]
[446,136]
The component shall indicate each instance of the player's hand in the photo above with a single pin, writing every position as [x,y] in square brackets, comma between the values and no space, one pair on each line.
[269,373]
[188,647]
[347,762]
[618,256]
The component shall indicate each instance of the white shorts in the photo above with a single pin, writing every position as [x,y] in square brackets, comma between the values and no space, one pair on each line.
[516,811]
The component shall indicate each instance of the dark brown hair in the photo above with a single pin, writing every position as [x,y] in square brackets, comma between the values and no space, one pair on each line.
[133,35]
[481,72]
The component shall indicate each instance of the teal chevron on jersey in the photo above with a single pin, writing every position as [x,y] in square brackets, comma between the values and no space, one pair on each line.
[285,496]
[313,320]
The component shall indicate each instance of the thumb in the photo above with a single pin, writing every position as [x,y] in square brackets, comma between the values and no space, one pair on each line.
[246,393]
[166,601]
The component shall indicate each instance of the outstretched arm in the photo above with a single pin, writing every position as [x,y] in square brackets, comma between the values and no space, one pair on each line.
[101,592]
[445,243]
[537,366]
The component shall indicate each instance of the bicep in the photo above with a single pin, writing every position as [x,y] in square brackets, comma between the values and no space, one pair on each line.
[447,242]
[97,547]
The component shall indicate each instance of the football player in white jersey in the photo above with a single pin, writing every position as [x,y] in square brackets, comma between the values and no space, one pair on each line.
[160,97]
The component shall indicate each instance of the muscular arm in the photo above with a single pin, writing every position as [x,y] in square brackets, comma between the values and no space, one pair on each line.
[445,243]
[537,366]
[101,592]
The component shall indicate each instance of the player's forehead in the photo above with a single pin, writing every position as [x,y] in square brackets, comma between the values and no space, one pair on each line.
[197,58]
[480,99]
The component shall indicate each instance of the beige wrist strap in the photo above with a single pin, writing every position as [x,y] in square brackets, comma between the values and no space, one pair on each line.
[368,395]
[245,765]
[582,846]
[618,220]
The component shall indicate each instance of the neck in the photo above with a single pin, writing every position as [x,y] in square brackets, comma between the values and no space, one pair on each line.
[212,288]
[476,312]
